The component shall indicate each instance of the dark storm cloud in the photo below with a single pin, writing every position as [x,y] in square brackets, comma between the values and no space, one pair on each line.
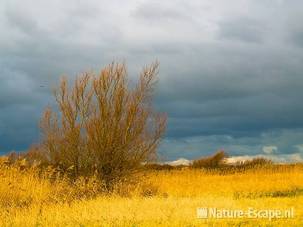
[230,76]
[252,90]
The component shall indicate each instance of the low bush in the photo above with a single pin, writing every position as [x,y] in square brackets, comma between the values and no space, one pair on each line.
[211,162]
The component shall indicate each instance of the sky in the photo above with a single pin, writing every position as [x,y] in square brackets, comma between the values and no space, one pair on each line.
[231,72]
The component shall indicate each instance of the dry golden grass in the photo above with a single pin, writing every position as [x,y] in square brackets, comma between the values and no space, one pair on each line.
[163,198]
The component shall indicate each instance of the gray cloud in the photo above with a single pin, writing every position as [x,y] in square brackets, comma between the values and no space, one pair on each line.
[230,73]
[157,12]
[243,29]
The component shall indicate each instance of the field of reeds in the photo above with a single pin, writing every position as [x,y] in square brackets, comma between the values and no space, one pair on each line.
[30,196]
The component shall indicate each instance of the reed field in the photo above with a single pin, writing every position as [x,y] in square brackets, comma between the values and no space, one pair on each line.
[31,197]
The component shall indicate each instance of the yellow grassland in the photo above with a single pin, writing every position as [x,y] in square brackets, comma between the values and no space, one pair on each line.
[162,198]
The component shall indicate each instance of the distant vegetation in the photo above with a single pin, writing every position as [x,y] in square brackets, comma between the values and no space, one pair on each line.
[218,162]
[214,161]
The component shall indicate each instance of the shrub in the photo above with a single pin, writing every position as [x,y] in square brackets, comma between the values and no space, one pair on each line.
[213,161]
[105,127]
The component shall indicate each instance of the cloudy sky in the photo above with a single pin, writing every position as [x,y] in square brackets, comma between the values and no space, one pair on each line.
[231,73]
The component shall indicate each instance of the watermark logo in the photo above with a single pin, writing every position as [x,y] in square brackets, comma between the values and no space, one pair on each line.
[212,212]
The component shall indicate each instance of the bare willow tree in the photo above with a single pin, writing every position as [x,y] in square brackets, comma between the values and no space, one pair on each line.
[104,126]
